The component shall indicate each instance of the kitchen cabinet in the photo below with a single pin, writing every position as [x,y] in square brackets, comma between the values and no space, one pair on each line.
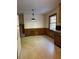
[57,38]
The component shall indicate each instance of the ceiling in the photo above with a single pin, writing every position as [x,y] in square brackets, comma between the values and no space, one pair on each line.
[40,6]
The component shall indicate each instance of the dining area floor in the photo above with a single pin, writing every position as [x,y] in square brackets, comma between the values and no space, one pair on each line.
[39,47]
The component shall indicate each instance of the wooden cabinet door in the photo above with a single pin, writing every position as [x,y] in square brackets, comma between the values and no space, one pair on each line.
[57,39]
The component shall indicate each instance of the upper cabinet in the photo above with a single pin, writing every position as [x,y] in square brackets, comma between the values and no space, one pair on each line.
[59,14]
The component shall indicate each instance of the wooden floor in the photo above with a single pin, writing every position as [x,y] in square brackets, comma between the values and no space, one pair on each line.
[39,47]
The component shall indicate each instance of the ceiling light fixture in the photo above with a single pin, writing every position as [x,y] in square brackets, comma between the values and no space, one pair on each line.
[33,14]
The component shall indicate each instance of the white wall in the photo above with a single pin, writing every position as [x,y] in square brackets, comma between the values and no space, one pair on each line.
[28,23]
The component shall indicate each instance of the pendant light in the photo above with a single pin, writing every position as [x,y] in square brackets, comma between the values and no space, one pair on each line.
[33,14]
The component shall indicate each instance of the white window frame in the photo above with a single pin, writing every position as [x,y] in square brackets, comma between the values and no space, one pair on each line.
[52,23]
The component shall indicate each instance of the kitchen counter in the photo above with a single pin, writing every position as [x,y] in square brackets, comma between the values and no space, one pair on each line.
[58,31]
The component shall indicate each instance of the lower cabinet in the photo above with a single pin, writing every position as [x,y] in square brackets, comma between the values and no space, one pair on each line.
[57,39]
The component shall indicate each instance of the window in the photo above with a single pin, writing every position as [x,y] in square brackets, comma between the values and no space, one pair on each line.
[53,22]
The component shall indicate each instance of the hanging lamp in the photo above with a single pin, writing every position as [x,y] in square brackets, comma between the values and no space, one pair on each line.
[33,18]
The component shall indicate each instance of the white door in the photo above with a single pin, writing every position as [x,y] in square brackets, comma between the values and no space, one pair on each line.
[18,38]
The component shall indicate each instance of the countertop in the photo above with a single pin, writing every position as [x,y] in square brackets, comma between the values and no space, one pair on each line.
[59,31]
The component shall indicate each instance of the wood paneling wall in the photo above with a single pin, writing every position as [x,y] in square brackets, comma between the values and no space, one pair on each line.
[49,33]
[21,28]
[44,31]
[39,31]
[34,31]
